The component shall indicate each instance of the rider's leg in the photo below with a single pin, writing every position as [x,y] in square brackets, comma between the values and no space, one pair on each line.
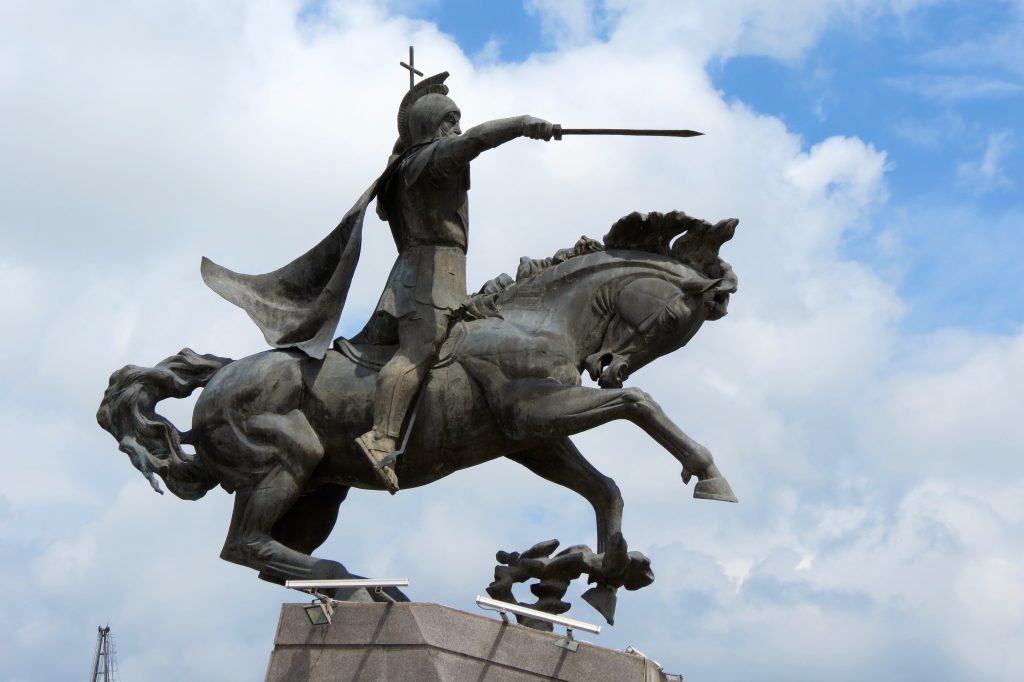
[420,333]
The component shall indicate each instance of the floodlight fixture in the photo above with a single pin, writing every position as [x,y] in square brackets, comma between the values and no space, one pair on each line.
[320,611]
[567,642]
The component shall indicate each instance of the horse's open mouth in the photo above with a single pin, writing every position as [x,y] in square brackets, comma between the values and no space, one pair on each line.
[607,369]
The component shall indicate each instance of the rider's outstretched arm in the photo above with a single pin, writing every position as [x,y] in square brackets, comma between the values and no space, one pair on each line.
[461,149]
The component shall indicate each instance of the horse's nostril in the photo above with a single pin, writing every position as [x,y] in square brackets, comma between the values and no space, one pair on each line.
[597,363]
[614,373]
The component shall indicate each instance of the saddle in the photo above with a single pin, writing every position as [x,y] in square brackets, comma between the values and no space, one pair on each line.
[373,353]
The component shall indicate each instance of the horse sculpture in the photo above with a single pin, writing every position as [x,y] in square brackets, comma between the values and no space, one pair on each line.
[277,428]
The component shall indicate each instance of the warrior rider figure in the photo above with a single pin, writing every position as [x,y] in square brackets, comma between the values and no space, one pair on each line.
[425,202]
[423,196]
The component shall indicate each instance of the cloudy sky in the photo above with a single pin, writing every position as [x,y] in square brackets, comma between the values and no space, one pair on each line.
[862,396]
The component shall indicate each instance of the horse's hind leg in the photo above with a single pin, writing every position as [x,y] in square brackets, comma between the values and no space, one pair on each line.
[250,541]
[310,521]
[258,508]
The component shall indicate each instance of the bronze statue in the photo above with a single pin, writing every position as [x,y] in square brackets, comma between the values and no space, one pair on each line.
[289,431]
[423,194]
[425,202]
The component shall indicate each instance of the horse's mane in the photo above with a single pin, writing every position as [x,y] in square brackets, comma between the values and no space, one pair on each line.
[484,303]
[696,244]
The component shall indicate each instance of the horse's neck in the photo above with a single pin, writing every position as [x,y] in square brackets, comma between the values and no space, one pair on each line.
[576,297]
[589,274]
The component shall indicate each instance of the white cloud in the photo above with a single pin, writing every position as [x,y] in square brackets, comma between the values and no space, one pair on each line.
[987,173]
[931,132]
[489,54]
[840,166]
[960,399]
[879,481]
[783,30]
[65,562]
[1000,51]
[956,88]
[564,22]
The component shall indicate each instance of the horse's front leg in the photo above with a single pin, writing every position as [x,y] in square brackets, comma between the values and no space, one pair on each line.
[559,461]
[695,458]
[547,408]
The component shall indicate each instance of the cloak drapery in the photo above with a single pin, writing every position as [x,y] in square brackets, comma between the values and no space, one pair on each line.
[299,305]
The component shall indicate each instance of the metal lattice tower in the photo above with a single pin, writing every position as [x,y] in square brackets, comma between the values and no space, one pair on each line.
[104,662]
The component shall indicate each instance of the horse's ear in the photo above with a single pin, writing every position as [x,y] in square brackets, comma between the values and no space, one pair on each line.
[702,241]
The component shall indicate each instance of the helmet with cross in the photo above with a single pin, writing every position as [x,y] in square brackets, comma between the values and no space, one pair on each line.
[424,109]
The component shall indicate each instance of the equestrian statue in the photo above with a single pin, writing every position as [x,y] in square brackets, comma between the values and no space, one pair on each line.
[438,380]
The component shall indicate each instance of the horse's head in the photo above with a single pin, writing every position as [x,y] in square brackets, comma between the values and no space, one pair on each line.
[651,317]
[655,315]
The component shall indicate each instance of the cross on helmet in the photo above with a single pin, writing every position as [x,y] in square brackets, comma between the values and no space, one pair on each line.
[423,109]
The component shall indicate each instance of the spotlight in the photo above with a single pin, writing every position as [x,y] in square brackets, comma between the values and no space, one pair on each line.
[320,611]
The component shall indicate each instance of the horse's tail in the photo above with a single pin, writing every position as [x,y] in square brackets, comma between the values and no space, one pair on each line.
[153,444]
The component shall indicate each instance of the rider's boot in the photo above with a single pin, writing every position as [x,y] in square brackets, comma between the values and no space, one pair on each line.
[376,448]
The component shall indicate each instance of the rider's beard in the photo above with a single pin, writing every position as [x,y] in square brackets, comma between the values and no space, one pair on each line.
[446,130]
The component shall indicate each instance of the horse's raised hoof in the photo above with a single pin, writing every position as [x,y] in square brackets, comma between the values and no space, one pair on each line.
[716,488]
[603,599]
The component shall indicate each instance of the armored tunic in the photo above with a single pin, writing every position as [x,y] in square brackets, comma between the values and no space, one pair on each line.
[426,204]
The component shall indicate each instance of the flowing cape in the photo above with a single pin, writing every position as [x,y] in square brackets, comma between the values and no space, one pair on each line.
[299,305]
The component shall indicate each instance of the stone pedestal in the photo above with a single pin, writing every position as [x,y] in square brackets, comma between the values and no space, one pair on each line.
[428,642]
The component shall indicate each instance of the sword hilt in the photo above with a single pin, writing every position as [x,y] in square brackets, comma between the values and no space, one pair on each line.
[556,131]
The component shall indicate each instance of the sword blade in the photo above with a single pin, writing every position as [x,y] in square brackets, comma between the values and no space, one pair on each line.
[559,131]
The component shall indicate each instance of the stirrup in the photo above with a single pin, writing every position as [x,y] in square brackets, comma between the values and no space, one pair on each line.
[385,473]
[389,459]
[394,454]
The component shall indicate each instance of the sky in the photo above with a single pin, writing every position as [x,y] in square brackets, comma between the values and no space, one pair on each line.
[862,395]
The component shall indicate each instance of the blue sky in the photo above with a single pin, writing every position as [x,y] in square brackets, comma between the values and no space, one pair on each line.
[862,395]
[905,87]
[933,89]
[938,89]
